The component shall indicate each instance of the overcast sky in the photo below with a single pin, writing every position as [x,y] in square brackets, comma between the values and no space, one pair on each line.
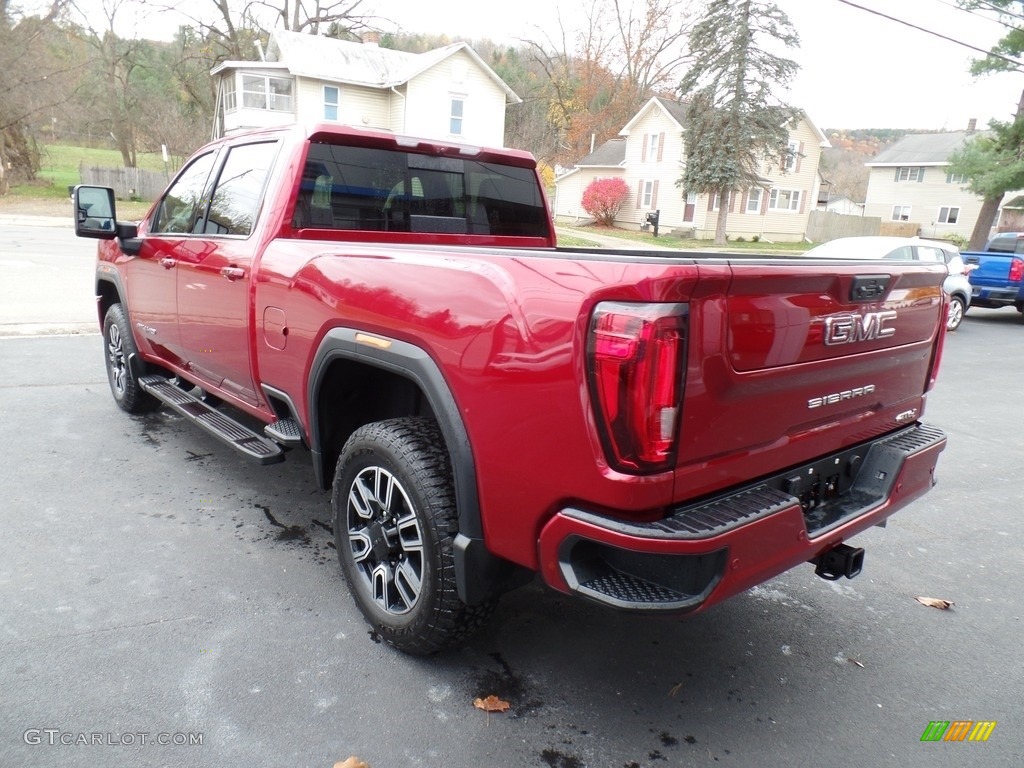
[857,70]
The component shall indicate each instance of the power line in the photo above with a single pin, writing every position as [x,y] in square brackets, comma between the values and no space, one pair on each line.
[973,11]
[1016,64]
[1001,11]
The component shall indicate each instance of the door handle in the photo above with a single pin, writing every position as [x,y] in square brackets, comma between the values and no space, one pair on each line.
[167,262]
[233,273]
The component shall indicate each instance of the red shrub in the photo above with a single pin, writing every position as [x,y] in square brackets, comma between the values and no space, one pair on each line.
[603,197]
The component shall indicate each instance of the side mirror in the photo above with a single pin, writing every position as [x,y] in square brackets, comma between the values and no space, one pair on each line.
[95,215]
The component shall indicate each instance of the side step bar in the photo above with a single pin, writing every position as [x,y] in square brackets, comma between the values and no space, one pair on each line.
[221,426]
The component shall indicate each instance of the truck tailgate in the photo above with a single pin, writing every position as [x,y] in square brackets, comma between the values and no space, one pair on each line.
[796,349]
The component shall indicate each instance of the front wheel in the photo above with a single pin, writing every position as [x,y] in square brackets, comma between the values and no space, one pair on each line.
[120,350]
[395,522]
[956,313]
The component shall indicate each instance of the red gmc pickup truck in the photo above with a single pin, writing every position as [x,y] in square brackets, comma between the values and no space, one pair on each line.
[654,431]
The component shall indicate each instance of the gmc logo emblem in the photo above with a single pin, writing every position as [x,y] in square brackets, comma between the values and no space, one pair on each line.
[850,328]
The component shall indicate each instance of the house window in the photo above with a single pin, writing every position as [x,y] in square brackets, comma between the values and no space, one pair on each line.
[784,200]
[792,153]
[956,178]
[261,92]
[754,200]
[455,123]
[948,215]
[652,147]
[901,213]
[715,199]
[647,199]
[230,101]
[331,97]
[912,173]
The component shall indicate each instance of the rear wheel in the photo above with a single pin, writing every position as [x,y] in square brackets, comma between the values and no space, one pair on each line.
[394,525]
[956,313]
[120,351]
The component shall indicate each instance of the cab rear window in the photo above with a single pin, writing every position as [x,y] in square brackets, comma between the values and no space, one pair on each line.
[382,190]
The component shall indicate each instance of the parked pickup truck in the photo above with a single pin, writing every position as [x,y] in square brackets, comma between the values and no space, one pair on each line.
[654,431]
[998,280]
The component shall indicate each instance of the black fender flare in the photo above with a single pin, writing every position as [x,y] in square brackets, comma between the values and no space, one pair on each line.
[477,570]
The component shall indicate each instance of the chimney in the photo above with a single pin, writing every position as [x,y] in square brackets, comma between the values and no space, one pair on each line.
[972,125]
[370,37]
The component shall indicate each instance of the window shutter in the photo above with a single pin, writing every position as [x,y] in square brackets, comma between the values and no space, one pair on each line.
[661,146]
[920,175]
[803,200]
[711,200]
[799,157]
[744,199]
[643,152]
[654,195]
[897,176]
[640,194]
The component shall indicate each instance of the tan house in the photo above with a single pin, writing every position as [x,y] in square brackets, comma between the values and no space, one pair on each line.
[911,182]
[448,94]
[650,157]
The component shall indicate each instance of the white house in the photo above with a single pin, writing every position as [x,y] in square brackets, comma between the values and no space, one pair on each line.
[910,181]
[448,94]
[844,206]
[650,157]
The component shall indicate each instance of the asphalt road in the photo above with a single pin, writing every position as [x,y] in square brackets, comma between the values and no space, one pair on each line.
[46,276]
[153,585]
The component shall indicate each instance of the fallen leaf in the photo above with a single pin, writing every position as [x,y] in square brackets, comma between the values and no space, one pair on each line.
[491,704]
[935,602]
[352,762]
[854,661]
[675,689]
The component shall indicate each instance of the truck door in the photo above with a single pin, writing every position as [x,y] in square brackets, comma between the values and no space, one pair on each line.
[214,274]
[151,275]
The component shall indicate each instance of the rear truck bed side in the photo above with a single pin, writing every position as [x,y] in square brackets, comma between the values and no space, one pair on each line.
[653,431]
[766,404]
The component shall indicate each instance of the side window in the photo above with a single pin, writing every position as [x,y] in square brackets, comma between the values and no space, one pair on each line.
[183,203]
[903,253]
[236,198]
[933,255]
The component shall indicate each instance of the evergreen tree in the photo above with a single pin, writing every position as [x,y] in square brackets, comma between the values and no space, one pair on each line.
[994,164]
[735,121]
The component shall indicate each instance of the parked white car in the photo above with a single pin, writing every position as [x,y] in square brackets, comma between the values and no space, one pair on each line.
[956,285]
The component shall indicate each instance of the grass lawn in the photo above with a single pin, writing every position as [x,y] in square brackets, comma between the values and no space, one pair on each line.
[60,168]
[569,241]
[669,241]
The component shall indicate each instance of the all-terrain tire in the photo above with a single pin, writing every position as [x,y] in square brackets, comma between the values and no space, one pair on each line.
[395,522]
[120,349]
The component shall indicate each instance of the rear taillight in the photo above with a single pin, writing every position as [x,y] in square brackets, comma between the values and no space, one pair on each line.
[1016,270]
[635,357]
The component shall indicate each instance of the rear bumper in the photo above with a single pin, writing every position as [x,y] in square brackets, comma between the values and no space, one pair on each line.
[995,297]
[705,552]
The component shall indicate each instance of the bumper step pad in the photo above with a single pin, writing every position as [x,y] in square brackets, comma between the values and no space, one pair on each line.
[220,425]
[286,432]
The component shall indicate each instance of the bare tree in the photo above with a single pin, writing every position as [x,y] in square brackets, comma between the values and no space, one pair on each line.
[31,78]
[598,77]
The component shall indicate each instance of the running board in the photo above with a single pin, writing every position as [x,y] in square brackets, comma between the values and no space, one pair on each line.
[221,426]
